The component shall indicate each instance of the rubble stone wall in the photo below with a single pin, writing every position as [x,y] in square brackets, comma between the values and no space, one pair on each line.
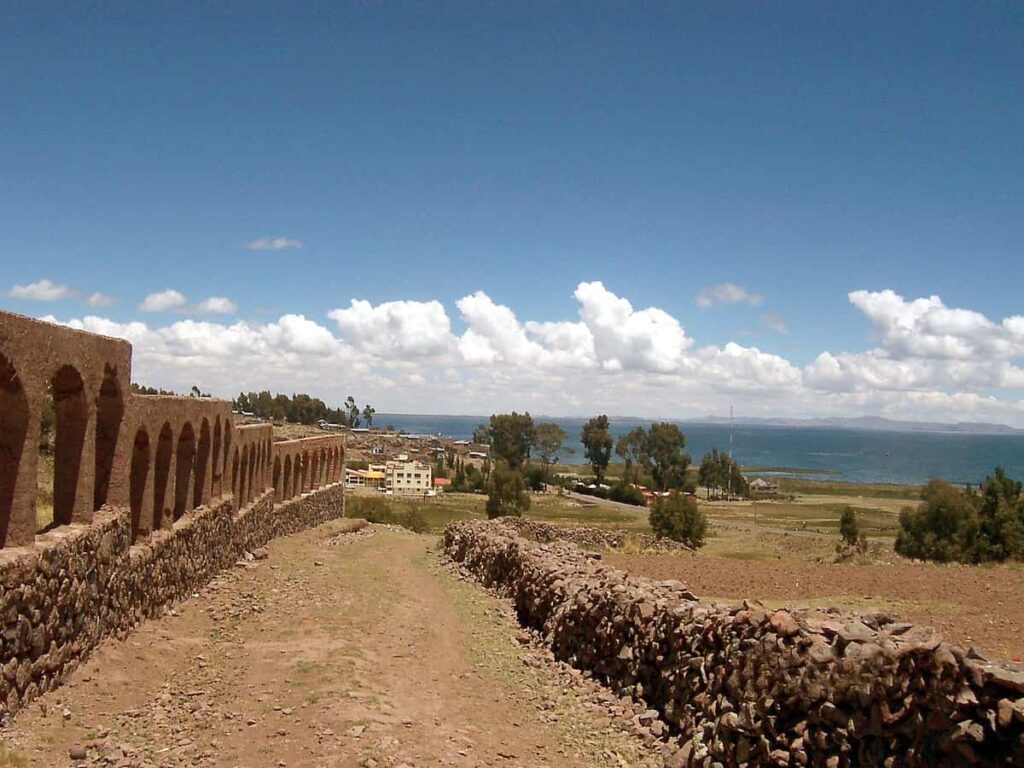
[81,583]
[749,686]
[589,537]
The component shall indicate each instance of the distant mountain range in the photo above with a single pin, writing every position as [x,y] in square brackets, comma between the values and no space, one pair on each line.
[869,422]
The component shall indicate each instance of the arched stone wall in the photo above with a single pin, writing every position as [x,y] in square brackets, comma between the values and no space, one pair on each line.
[158,457]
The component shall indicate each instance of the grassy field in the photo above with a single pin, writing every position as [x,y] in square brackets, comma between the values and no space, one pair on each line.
[804,526]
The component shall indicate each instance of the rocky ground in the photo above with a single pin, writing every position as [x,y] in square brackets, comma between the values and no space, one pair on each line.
[979,606]
[333,648]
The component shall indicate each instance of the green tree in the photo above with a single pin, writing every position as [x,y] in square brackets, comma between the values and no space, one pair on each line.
[597,444]
[663,448]
[630,447]
[353,411]
[549,440]
[678,517]
[720,473]
[848,528]
[1001,519]
[506,492]
[511,435]
[482,435]
[368,412]
[943,527]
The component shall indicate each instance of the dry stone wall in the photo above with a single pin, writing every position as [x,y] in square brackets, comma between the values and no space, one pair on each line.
[751,687]
[589,537]
[83,583]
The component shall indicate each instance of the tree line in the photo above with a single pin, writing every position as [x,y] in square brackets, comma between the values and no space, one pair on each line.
[303,409]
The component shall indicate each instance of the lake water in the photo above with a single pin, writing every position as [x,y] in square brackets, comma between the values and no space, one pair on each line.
[852,455]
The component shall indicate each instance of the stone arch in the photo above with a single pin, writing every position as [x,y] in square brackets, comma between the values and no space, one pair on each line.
[264,470]
[72,421]
[277,479]
[217,462]
[14,419]
[137,480]
[252,474]
[314,475]
[186,458]
[235,479]
[286,488]
[338,471]
[323,467]
[161,475]
[199,494]
[227,453]
[257,468]
[243,476]
[109,414]
[301,463]
[268,450]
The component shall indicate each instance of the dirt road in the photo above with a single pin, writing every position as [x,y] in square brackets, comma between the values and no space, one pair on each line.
[339,649]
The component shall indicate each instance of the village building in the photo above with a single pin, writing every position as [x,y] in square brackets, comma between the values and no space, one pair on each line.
[371,477]
[759,486]
[405,477]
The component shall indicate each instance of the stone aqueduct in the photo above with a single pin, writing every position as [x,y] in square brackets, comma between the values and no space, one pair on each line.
[158,456]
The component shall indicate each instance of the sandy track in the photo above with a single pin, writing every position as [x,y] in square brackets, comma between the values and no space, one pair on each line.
[338,650]
[971,605]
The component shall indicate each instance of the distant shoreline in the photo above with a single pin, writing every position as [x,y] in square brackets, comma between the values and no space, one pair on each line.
[857,423]
[859,452]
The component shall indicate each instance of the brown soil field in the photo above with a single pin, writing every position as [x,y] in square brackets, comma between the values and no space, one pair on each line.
[981,606]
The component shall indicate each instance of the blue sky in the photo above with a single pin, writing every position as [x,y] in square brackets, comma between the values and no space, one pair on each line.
[421,152]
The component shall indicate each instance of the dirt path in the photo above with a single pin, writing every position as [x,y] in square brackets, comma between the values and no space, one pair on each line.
[340,649]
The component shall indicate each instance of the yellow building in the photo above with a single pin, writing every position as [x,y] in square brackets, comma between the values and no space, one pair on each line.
[371,477]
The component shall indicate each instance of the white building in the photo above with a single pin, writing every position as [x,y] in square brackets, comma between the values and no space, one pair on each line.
[405,477]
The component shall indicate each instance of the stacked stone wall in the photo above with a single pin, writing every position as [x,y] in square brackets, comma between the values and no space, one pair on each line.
[589,537]
[82,583]
[748,686]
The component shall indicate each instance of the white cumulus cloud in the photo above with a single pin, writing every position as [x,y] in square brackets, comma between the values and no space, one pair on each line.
[99,299]
[218,305]
[43,290]
[929,361]
[727,293]
[624,338]
[926,327]
[405,328]
[163,301]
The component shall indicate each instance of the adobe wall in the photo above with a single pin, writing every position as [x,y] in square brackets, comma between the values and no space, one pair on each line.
[152,496]
[747,686]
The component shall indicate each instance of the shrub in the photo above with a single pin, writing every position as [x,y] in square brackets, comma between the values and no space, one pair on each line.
[678,517]
[627,494]
[848,528]
[506,492]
